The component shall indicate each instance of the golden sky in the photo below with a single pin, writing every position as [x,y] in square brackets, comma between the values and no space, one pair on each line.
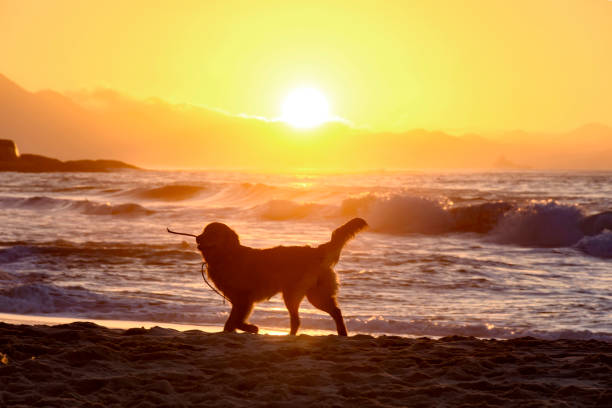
[449,65]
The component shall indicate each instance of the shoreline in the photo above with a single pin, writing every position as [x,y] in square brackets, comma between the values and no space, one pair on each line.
[18,319]
[14,318]
[84,364]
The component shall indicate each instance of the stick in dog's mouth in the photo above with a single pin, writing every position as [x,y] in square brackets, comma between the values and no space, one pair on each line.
[203,264]
[180,233]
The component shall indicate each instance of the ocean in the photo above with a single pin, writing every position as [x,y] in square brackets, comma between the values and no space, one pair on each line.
[484,254]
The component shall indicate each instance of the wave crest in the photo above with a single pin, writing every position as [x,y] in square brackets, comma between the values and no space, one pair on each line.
[540,224]
[83,206]
[88,253]
[169,193]
[93,208]
[598,245]
[43,298]
[399,214]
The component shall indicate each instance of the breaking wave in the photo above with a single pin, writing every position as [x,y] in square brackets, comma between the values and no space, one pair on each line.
[91,253]
[534,224]
[44,298]
[82,206]
[77,301]
[598,245]
[399,214]
[169,192]
[546,224]
[93,208]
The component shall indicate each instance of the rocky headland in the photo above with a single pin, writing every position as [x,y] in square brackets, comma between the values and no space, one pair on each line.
[11,160]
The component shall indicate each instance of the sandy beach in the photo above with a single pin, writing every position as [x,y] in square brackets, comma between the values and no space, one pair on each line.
[84,364]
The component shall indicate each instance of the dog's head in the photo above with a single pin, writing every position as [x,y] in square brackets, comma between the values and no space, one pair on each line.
[217,239]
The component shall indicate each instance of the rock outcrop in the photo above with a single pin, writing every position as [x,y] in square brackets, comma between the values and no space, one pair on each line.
[8,150]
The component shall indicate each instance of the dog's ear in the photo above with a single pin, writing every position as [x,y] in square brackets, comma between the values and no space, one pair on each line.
[230,238]
[218,235]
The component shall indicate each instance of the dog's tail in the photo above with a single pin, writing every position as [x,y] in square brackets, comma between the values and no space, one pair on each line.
[340,237]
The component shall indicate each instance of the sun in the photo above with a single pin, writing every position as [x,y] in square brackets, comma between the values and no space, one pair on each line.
[305,108]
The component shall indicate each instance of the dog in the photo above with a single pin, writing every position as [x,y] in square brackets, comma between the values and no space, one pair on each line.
[249,275]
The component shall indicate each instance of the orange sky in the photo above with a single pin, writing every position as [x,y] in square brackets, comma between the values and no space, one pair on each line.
[448,65]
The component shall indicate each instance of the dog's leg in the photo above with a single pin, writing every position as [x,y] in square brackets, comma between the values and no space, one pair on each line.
[336,314]
[323,297]
[292,301]
[327,303]
[241,310]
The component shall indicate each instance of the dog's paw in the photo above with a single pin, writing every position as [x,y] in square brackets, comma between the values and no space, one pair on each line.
[249,328]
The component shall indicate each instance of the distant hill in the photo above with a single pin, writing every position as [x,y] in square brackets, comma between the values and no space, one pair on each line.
[153,133]
[11,160]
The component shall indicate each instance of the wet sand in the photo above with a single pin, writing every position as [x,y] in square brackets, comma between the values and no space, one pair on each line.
[83,364]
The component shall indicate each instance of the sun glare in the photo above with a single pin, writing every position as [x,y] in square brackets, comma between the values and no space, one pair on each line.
[305,108]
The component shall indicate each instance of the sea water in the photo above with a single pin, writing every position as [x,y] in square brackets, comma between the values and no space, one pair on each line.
[516,263]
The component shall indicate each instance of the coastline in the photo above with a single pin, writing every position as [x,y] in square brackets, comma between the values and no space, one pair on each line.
[84,364]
